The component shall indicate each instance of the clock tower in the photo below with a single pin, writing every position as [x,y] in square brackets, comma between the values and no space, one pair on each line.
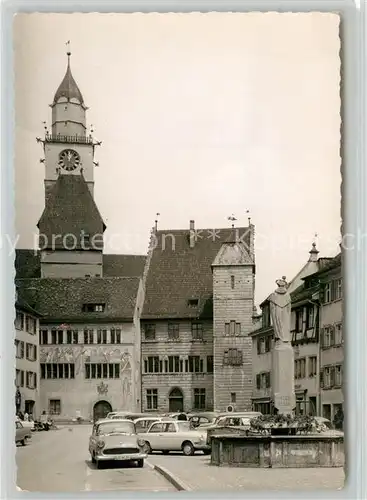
[68,149]
[71,227]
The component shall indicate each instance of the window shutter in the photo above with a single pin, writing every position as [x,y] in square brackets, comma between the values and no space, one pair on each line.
[258,346]
[333,290]
[258,381]
[268,380]
[322,294]
[322,379]
[322,341]
[332,376]
[332,335]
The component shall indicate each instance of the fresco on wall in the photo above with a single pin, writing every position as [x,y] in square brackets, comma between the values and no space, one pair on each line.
[95,354]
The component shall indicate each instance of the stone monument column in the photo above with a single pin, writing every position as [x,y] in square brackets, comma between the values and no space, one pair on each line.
[282,356]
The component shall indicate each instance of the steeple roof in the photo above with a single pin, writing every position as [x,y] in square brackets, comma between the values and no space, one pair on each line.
[68,87]
[71,211]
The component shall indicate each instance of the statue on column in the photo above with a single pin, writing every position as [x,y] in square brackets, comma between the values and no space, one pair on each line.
[280,311]
[283,357]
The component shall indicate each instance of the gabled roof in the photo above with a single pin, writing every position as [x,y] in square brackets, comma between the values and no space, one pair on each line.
[28,264]
[233,254]
[303,293]
[70,210]
[22,305]
[68,87]
[61,300]
[123,265]
[328,265]
[178,273]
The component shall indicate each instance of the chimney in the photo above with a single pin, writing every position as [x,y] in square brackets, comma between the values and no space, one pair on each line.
[192,233]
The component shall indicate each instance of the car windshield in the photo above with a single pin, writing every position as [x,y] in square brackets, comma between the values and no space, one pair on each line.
[183,426]
[116,427]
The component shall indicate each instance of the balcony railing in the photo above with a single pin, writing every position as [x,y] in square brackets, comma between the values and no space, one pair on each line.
[80,139]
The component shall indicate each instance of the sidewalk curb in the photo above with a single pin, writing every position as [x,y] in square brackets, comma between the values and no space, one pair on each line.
[171,478]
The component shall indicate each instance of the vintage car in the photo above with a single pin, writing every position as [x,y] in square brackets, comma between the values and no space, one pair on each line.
[202,419]
[142,424]
[21,433]
[116,440]
[174,435]
[236,422]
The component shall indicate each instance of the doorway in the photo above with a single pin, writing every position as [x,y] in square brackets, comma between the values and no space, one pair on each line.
[176,400]
[100,410]
[29,406]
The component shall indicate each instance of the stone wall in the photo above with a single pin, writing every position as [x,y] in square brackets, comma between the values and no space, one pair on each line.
[278,451]
[233,305]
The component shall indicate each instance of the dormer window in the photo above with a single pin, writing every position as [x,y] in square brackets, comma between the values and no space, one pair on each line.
[193,302]
[93,307]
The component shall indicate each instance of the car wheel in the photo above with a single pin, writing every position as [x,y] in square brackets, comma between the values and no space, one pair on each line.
[147,448]
[165,452]
[188,448]
[140,462]
[98,464]
[93,458]
[207,452]
[22,442]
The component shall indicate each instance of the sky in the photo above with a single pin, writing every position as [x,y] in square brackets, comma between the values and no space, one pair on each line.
[201,116]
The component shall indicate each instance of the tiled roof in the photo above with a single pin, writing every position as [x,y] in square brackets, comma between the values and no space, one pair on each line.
[330,264]
[28,264]
[178,273]
[22,305]
[70,210]
[61,300]
[303,293]
[68,87]
[123,265]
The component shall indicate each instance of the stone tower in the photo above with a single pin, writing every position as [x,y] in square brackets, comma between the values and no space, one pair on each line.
[233,303]
[71,227]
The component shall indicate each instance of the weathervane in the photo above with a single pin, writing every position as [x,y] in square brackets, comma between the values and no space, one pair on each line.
[232,218]
[156,220]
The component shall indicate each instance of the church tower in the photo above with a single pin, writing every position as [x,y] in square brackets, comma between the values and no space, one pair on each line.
[233,303]
[71,227]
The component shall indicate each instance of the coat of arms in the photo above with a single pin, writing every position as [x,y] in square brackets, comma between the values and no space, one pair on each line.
[102,388]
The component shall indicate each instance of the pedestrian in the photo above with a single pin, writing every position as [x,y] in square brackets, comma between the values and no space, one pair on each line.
[26,416]
[339,420]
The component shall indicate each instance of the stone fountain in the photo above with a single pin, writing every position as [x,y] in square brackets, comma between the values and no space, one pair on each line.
[281,444]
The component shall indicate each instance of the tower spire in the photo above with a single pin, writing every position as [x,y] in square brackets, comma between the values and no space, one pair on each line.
[68,88]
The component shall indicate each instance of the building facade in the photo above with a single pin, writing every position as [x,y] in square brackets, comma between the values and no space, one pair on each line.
[331,339]
[90,302]
[199,293]
[305,330]
[27,368]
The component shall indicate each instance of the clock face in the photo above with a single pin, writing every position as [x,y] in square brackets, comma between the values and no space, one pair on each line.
[69,159]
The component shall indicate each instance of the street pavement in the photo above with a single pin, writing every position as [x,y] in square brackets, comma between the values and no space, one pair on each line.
[198,475]
[59,461]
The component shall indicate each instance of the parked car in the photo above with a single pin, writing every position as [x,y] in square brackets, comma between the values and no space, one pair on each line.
[114,439]
[142,424]
[327,426]
[22,434]
[174,435]
[202,419]
[238,421]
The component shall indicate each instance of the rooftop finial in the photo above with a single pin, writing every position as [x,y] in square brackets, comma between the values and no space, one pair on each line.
[68,53]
